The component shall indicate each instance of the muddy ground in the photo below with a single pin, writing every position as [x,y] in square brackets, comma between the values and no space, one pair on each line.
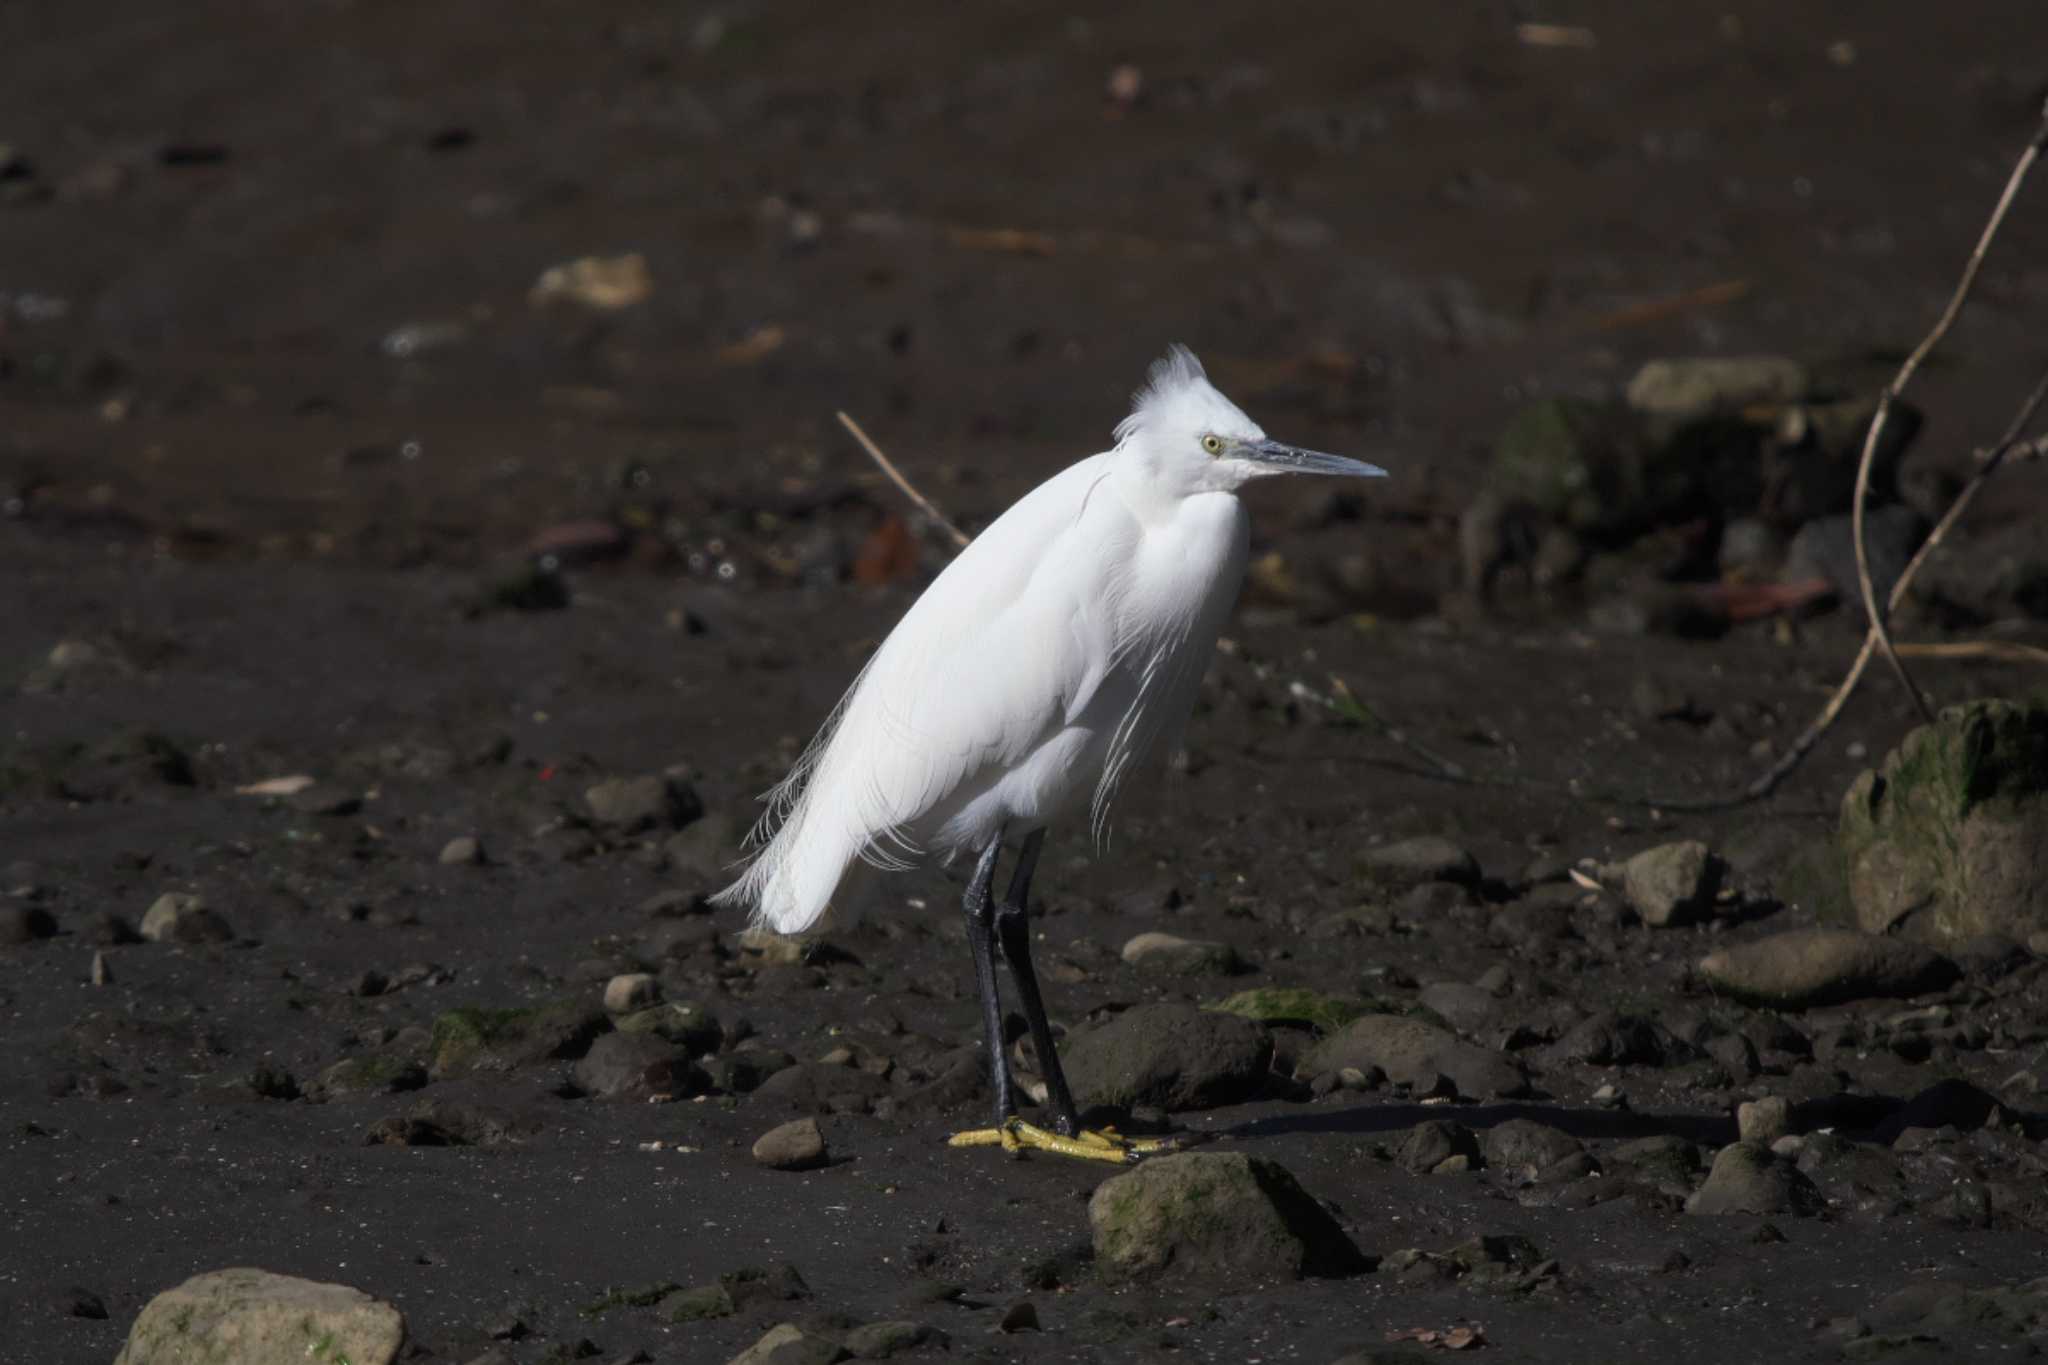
[281,431]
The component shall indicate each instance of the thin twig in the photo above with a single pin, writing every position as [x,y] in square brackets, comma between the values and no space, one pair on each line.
[903,485]
[1876,613]
[1997,651]
[1768,781]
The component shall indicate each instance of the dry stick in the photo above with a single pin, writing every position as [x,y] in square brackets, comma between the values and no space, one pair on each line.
[1765,784]
[903,485]
[1876,614]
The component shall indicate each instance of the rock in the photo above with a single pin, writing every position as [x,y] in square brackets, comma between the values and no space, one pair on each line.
[881,1340]
[1466,1007]
[25,924]
[1021,1316]
[1763,1121]
[1946,841]
[795,1146]
[789,1344]
[249,1317]
[706,849]
[178,917]
[1609,1039]
[818,1088]
[603,283]
[1283,1006]
[1748,1178]
[1438,1146]
[1220,1215]
[473,1039]
[763,945]
[1417,1054]
[1670,884]
[1696,386]
[746,1070]
[1665,1157]
[1525,1147]
[1990,574]
[76,1301]
[325,798]
[377,1074]
[632,804]
[1571,462]
[690,1027]
[1825,549]
[696,1304]
[1173,1056]
[1169,955]
[1950,1102]
[638,1066]
[464,850]
[1805,967]
[629,992]
[1413,862]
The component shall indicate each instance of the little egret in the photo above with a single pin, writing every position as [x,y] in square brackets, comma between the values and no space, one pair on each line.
[1057,651]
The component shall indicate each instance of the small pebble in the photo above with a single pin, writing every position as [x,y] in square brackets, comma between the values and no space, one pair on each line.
[462,851]
[1020,1316]
[1765,1120]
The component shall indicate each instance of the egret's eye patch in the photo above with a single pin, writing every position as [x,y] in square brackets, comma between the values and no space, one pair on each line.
[1213,444]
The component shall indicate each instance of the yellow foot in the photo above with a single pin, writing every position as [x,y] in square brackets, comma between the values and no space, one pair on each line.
[1015,1135]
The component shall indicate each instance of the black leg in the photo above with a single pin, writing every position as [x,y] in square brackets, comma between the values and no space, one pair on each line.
[1013,932]
[980,908]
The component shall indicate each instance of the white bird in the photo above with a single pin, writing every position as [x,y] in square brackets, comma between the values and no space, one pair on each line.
[1055,653]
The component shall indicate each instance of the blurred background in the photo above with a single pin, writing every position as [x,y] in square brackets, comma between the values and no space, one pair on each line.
[407,284]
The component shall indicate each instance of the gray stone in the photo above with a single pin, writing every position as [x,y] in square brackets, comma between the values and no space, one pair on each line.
[479,1039]
[1670,884]
[1173,1056]
[1524,1147]
[630,991]
[252,1317]
[179,917]
[690,1027]
[638,1066]
[789,1344]
[1946,841]
[1764,1120]
[632,804]
[1438,1146]
[1215,1215]
[881,1340]
[1805,967]
[462,851]
[1416,1054]
[1696,386]
[794,1146]
[25,924]
[1466,1007]
[376,1074]
[1171,955]
[1413,862]
[1609,1039]
[1749,1178]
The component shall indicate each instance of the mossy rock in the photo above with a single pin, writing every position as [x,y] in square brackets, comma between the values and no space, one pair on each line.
[228,1317]
[1576,462]
[481,1039]
[1293,1005]
[1216,1214]
[1948,839]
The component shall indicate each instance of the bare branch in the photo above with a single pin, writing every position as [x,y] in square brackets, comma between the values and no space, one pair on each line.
[903,485]
[1878,631]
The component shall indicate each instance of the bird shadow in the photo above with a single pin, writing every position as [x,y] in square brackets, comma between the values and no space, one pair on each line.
[1364,1120]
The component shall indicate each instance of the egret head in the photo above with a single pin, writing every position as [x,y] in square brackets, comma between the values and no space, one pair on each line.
[1194,440]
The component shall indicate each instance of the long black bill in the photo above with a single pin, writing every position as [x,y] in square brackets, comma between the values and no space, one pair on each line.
[1295,460]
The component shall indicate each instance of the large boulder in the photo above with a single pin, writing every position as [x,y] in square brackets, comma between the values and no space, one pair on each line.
[1221,1215]
[252,1317]
[1947,840]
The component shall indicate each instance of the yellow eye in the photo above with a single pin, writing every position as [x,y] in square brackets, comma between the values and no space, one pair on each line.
[1213,444]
